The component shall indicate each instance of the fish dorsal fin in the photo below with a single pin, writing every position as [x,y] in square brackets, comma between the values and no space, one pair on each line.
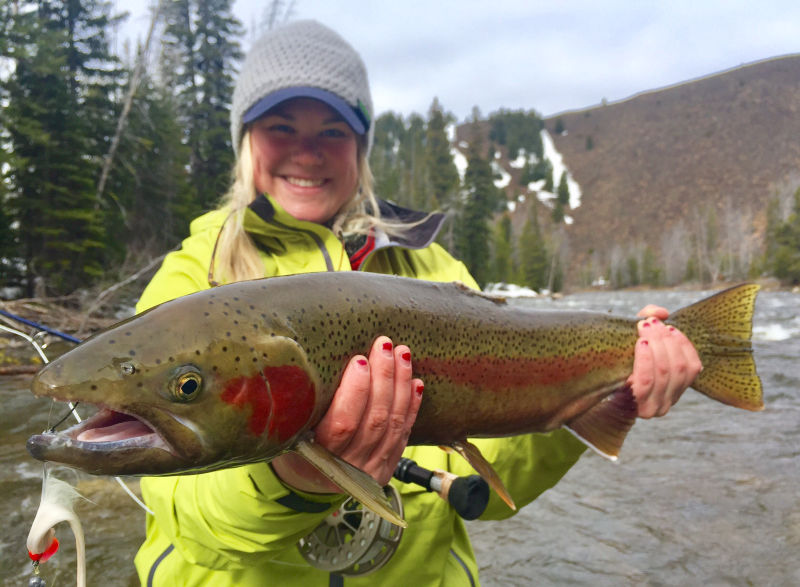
[474,457]
[605,426]
[351,479]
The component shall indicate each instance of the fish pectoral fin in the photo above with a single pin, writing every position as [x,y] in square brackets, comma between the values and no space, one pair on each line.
[474,457]
[350,479]
[604,427]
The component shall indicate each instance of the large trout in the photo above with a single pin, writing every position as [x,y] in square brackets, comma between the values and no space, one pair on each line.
[241,373]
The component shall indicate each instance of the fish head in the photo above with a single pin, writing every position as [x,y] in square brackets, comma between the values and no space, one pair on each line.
[179,389]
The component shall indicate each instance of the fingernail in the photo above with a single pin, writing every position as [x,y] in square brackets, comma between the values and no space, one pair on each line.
[362,362]
[387,346]
[644,342]
[406,356]
[420,388]
[646,325]
[671,329]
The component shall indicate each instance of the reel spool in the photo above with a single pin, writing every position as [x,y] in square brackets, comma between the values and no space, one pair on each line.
[353,540]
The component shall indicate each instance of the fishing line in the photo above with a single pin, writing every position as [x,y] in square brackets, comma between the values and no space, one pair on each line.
[61,421]
[40,351]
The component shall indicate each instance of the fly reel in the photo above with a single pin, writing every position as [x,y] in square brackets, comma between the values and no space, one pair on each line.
[353,540]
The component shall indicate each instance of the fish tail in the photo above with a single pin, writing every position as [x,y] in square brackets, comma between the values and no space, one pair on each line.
[720,328]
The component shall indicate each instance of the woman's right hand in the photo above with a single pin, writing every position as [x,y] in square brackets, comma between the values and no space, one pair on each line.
[368,422]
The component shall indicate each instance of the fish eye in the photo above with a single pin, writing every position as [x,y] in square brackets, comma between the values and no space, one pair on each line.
[186,386]
[128,368]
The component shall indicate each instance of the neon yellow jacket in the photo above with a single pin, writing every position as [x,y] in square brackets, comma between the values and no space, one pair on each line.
[226,527]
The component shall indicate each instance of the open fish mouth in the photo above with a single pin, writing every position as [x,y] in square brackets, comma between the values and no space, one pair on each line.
[107,430]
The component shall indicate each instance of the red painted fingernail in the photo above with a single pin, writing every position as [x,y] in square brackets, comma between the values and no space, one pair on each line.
[420,388]
[672,329]
[406,356]
[644,342]
[387,346]
[646,325]
[362,362]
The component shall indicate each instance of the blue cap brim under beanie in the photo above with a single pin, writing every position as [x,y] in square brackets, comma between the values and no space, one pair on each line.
[352,116]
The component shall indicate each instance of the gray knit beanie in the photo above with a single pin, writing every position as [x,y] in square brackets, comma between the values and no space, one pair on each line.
[302,59]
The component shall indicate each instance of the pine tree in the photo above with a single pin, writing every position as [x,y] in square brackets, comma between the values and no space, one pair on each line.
[502,267]
[385,160]
[562,199]
[150,182]
[563,190]
[57,116]
[416,188]
[202,50]
[442,173]
[479,201]
[533,252]
[786,260]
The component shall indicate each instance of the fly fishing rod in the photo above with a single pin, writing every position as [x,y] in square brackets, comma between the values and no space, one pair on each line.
[469,496]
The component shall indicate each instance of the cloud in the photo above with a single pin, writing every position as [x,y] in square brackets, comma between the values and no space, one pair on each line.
[542,55]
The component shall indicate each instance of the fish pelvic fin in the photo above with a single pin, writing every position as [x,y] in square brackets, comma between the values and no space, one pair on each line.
[349,478]
[604,427]
[478,462]
[720,327]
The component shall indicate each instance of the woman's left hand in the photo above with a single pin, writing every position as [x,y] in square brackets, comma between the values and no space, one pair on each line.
[665,364]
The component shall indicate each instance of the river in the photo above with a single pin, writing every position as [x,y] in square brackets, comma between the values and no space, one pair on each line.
[707,495]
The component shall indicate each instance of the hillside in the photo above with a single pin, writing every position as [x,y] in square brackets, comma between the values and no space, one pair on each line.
[664,162]
[669,155]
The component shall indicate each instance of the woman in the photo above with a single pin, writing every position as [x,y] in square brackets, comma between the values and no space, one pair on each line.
[301,202]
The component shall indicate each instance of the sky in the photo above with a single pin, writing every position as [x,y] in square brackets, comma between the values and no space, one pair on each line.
[546,56]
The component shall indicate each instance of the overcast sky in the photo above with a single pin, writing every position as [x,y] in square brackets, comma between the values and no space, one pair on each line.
[531,54]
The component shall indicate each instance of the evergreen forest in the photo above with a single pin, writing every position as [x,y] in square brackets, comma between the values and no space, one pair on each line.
[106,158]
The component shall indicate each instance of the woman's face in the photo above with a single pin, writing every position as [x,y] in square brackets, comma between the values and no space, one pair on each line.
[306,157]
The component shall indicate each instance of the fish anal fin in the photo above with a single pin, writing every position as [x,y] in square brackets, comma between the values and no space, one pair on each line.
[605,426]
[474,457]
[349,478]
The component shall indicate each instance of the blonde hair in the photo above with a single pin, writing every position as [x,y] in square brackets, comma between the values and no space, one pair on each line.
[236,256]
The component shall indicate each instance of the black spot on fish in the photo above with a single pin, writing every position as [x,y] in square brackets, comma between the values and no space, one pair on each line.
[132,353]
[94,387]
[158,361]
[224,349]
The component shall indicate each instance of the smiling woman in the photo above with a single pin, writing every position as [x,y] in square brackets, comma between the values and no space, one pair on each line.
[302,201]
[306,157]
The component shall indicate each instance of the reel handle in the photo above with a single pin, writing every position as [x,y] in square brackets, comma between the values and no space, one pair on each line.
[469,496]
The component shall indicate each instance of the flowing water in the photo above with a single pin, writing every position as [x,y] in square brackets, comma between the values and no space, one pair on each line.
[708,495]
